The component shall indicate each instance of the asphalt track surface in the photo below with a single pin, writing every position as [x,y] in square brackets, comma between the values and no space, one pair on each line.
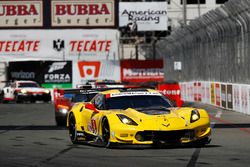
[29,137]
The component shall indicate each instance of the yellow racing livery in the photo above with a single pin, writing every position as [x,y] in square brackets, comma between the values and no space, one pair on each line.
[136,116]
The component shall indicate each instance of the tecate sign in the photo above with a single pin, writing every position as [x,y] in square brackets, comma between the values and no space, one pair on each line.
[21,13]
[148,16]
[19,46]
[59,45]
[83,13]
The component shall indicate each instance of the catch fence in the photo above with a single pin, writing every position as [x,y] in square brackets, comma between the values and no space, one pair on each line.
[214,47]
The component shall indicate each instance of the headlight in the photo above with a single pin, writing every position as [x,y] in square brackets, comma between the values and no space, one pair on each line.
[23,91]
[46,91]
[195,115]
[63,110]
[126,120]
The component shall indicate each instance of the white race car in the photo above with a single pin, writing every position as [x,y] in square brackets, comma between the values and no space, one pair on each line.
[20,91]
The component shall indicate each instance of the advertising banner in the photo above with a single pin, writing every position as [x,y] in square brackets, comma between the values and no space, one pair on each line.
[197,91]
[236,98]
[19,13]
[244,99]
[57,74]
[3,75]
[208,93]
[248,97]
[212,93]
[58,44]
[229,96]
[145,16]
[218,94]
[190,91]
[83,13]
[183,87]
[142,70]
[25,70]
[223,95]
[49,74]
[95,70]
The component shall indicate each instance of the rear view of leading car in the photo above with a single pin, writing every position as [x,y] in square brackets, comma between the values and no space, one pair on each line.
[136,116]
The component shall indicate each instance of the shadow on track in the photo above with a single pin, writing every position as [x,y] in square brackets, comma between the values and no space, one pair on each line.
[31,127]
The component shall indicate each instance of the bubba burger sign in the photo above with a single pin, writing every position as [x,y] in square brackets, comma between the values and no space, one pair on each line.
[142,71]
[21,13]
[83,13]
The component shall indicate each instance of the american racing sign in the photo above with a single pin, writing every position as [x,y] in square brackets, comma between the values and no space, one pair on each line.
[148,16]
[81,13]
[21,13]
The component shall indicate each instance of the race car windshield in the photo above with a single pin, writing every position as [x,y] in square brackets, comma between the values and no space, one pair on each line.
[83,97]
[139,102]
[27,84]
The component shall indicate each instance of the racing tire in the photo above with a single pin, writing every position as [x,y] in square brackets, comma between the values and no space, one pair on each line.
[16,98]
[60,122]
[106,133]
[72,129]
[32,101]
[1,97]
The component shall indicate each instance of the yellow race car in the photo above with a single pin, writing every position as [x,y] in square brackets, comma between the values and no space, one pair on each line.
[136,116]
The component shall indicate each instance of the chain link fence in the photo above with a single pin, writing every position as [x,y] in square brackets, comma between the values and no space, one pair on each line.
[214,47]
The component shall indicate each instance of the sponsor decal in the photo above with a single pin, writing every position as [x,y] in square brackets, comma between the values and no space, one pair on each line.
[89,69]
[135,94]
[19,46]
[148,16]
[83,13]
[171,92]
[21,13]
[58,45]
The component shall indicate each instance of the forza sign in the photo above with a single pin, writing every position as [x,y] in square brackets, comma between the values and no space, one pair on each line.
[21,13]
[57,72]
[83,13]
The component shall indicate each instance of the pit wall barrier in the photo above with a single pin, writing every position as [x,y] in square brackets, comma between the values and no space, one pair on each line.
[229,96]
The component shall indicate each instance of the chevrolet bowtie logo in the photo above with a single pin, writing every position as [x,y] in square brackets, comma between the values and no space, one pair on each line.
[167,125]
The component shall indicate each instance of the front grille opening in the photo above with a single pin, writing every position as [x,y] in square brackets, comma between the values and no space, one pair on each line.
[164,136]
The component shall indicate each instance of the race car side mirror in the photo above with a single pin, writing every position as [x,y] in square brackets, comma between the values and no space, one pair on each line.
[91,106]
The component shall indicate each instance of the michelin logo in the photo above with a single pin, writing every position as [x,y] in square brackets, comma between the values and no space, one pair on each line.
[57,66]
